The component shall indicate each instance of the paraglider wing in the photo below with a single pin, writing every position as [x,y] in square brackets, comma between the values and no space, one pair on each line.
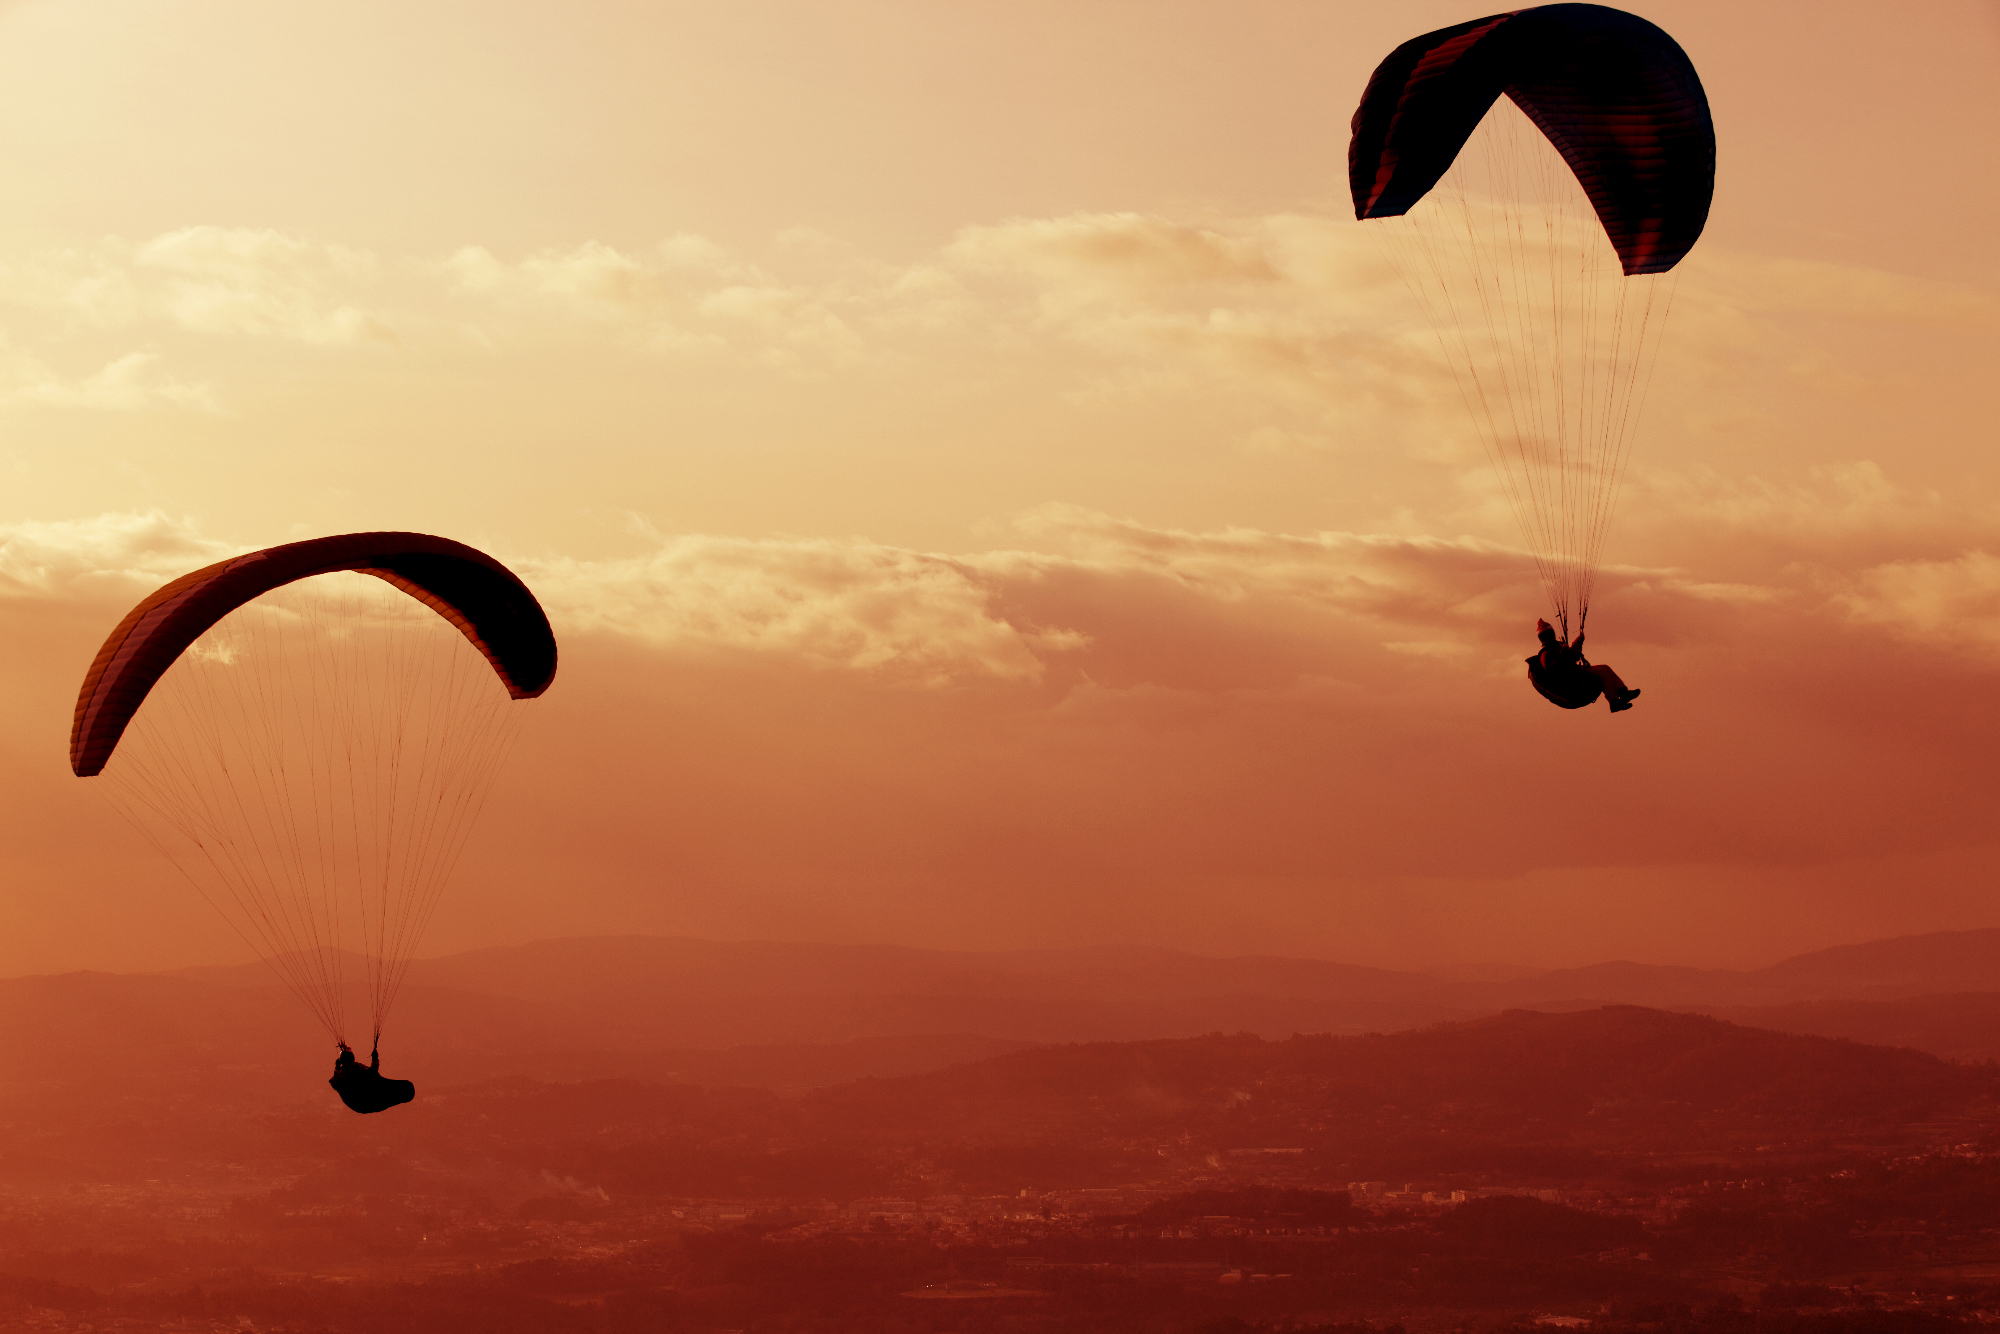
[1617,97]
[481,597]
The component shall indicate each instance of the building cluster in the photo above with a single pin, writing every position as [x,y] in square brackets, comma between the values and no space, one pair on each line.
[1094,1210]
[1026,1205]
[1378,1193]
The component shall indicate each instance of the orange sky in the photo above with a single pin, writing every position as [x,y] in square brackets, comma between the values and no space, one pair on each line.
[969,457]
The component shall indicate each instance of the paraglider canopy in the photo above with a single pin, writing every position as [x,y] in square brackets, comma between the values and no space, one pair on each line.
[1540,232]
[483,598]
[1617,97]
[314,747]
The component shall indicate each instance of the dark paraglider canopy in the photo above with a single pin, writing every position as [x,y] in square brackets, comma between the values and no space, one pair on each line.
[1617,97]
[1539,232]
[491,607]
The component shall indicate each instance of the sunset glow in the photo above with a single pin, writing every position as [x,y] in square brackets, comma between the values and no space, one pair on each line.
[989,493]
[863,667]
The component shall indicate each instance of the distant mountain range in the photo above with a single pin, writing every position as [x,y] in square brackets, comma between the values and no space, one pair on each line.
[637,992]
[1510,1099]
[783,1015]
[1612,1077]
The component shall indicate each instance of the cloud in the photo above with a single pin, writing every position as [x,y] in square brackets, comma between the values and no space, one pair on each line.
[1127,284]
[1300,324]
[1790,286]
[1085,597]
[263,283]
[1113,278]
[896,615]
[1840,546]
[602,279]
[687,293]
[1102,726]
[1303,320]
[1310,309]
[1949,604]
[1086,258]
[1308,322]
[241,281]
[884,613]
[925,620]
[593,276]
[128,384]
[97,287]
[110,554]
[1088,597]
[790,322]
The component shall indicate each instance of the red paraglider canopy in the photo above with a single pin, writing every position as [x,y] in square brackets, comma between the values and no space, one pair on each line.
[490,606]
[1616,95]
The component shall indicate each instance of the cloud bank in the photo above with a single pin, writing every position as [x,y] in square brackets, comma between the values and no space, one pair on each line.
[1301,316]
[1086,722]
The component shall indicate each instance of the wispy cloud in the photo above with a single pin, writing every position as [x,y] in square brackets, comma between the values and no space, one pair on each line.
[247,282]
[600,279]
[263,283]
[900,615]
[1302,316]
[128,384]
[109,555]
[1938,604]
[1080,595]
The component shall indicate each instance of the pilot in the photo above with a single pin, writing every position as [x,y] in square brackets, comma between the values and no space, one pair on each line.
[362,1087]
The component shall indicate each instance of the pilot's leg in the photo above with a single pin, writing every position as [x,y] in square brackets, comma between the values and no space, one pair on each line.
[1616,691]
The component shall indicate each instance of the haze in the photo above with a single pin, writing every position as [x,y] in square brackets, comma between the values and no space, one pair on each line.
[975,473]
